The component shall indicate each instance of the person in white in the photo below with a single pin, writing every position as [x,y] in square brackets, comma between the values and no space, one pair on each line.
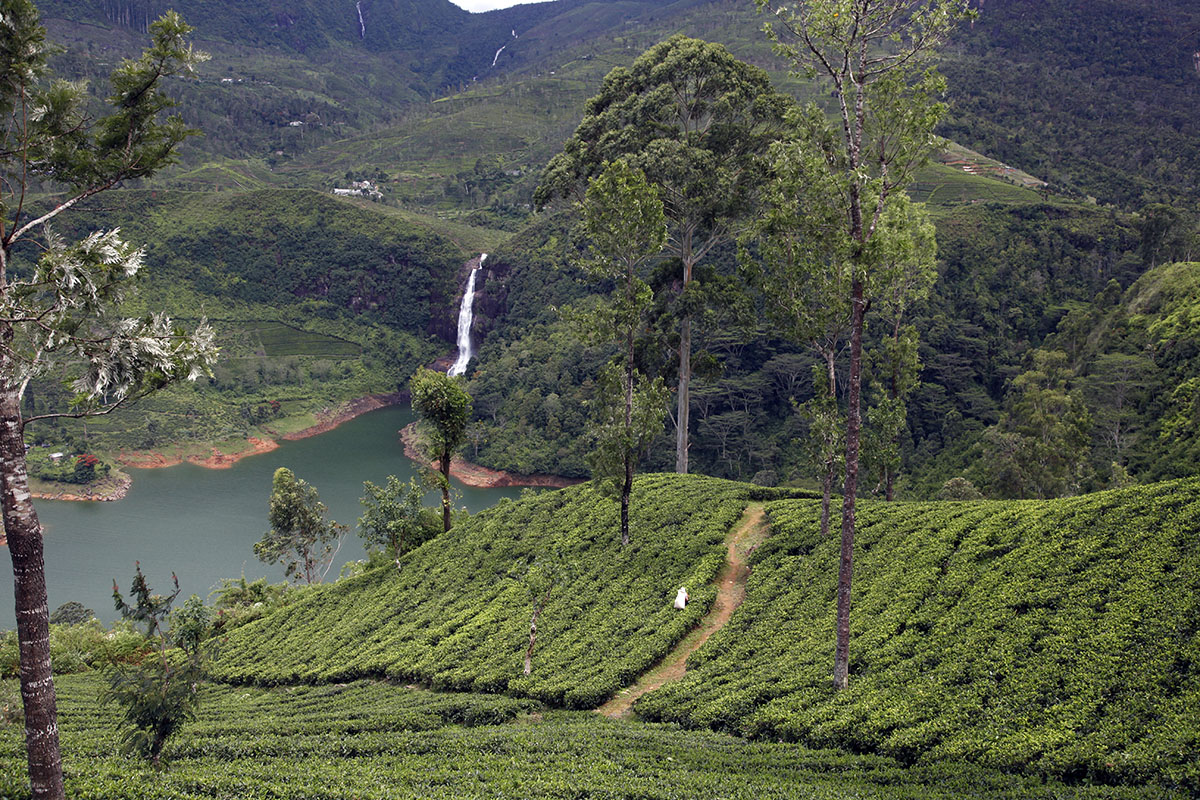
[681,597]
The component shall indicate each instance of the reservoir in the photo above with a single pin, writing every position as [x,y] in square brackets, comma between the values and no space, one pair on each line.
[202,523]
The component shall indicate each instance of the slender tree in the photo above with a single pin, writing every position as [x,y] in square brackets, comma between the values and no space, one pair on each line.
[59,302]
[395,517]
[300,538]
[697,122]
[877,55]
[909,272]
[624,220]
[543,576]
[160,694]
[444,408]
[795,255]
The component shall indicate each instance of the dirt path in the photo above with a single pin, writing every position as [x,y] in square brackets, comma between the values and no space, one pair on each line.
[749,533]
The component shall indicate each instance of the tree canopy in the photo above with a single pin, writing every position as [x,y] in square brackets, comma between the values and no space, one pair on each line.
[445,409]
[697,122]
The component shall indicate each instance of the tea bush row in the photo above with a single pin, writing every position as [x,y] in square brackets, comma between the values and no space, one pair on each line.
[456,615]
[374,740]
[1055,637]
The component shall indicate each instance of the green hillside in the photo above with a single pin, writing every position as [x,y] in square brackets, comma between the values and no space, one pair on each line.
[316,301]
[457,615]
[383,741]
[1054,637]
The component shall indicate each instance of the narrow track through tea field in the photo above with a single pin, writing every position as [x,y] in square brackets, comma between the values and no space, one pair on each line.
[750,531]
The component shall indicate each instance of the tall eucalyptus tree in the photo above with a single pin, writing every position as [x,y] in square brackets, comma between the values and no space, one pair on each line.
[697,122]
[877,56]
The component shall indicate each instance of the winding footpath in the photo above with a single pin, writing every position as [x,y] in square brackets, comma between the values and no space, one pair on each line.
[751,531]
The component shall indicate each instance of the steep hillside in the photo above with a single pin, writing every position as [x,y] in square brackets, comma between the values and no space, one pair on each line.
[1009,273]
[316,301]
[1136,359]
[287,248]
[1055,637]
[1097,97]
[457,615]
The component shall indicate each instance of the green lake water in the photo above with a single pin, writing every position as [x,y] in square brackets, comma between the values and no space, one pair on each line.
[202,523]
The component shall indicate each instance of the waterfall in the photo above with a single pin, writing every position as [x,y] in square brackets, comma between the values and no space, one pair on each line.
[496,57]
[362,26]
[465,317]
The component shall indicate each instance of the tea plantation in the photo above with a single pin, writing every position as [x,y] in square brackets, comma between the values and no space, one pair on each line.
[999,649]
[1053,637]
[457,614]
[375,741]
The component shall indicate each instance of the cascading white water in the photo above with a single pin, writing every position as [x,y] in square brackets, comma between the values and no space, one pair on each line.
[362,26]
[496,57]
[466,315]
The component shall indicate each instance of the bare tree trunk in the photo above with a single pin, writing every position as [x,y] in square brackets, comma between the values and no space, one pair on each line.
[685,378]
[445,467]
[685,368]
[841,663]
[537,610]
[24,534]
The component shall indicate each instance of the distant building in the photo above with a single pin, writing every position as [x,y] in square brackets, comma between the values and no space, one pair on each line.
[360,189]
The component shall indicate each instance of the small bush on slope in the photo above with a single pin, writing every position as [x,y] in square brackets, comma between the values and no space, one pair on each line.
[457,614]
[1056,637]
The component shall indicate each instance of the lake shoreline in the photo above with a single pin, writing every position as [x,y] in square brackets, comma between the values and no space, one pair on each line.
[478,476]
[110,491]
[117,486]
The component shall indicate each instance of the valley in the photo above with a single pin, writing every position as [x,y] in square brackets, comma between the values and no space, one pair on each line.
[1022,506]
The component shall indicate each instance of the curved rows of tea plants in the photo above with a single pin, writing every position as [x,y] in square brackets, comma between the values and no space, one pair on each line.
[379,741]
[1054,637]
[457,614]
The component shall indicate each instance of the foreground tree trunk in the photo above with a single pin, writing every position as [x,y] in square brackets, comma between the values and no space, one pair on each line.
[24,534]
[841,662]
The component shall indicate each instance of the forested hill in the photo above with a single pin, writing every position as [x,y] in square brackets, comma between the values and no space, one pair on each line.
[1096,96]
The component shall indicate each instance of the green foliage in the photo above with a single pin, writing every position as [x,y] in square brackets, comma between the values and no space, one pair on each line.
[80,647]
[160,694]
[959,489]
[240,601]
[377,740]
[1054,637]
[620,434]
[1040,446]
[395,518]
[624,220]
[71,613]
[456,615]
[444,408]
[300,538]
[1097,104]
